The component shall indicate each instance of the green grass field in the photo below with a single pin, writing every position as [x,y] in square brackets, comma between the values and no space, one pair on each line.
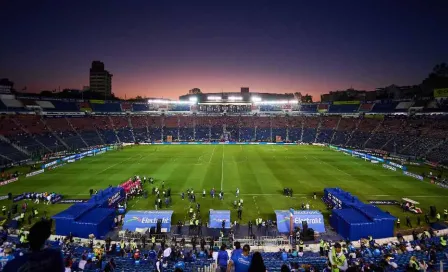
[261,173]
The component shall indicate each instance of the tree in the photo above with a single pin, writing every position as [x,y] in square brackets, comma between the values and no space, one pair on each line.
[440,70]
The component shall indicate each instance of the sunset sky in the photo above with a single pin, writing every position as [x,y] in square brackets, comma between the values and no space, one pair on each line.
[164,48]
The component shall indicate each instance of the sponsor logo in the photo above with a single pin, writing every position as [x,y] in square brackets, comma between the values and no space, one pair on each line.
[389,167]
[56,199]
[35,173]
[70,161]
[18,198]
[146,220]
[70,201]
[443,185]
[113,199]
[397,165]
[3,197]
[412,175]
[50,164]
[299,220]
[8,181]
[383,202]
[56,166]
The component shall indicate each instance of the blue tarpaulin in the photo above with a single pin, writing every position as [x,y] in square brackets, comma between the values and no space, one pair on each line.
[147,219]
[314,219]
[216,218]
[94,217]
[354,219]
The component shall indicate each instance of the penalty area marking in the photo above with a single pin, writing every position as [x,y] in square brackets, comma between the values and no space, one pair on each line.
[256,205]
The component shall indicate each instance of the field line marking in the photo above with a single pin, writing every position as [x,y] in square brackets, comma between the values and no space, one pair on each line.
[213,152]
[107,168]
[332,166]
[222,168]
[437,196]
[256,205]
[272,194]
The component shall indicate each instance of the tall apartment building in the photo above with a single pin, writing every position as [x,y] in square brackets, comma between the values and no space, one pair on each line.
[100,79]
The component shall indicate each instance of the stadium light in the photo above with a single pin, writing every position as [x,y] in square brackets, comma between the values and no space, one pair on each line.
[255,99]
[193,99]
[235,98]
[161,101]
[214,97]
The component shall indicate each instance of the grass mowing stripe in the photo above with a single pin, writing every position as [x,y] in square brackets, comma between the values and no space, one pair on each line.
[222,168]
[261,172]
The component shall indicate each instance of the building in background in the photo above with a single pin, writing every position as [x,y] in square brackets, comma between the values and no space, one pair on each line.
[348,95]
[6,86]
[244,96]
[100,79]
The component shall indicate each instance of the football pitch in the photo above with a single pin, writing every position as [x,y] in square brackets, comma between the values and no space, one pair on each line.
[259,171]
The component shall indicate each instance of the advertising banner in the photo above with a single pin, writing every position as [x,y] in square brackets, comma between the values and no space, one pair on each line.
[346,102]
[18,198]
[34,173]
[413,175]
[402,167]
[50,164]
[8,181]
[383,202]
[315,220]
[216,218]
[389,167]
[146,219]
[441,92]
[72,201]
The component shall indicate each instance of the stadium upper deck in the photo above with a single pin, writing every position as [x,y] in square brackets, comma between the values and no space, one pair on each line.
[28,127]
[11,103]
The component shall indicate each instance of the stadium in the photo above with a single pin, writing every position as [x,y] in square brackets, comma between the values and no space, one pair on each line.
[227,167]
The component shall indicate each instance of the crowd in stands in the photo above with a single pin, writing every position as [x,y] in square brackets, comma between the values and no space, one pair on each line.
[34,251]
[420,136]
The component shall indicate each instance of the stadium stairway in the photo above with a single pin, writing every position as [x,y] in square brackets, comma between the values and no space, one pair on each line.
[77,133]
[19,148]
[54,133]
[114,129]
[31,136]
[131,128]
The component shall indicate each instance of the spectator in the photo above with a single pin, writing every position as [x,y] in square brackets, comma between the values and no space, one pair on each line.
[89,265]
[82,263]
[223,258]
[237,250]
[285,268]
[241,262]
[257,264]
[68,266]
[110,266]
[38,259]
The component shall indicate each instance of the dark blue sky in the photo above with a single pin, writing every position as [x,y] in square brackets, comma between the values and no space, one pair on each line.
[165,48]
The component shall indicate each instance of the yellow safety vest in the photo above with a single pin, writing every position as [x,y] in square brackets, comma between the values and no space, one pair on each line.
[438,216]
[445,212]
[322,243]
[339,261]
[413,264]
[442,241]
